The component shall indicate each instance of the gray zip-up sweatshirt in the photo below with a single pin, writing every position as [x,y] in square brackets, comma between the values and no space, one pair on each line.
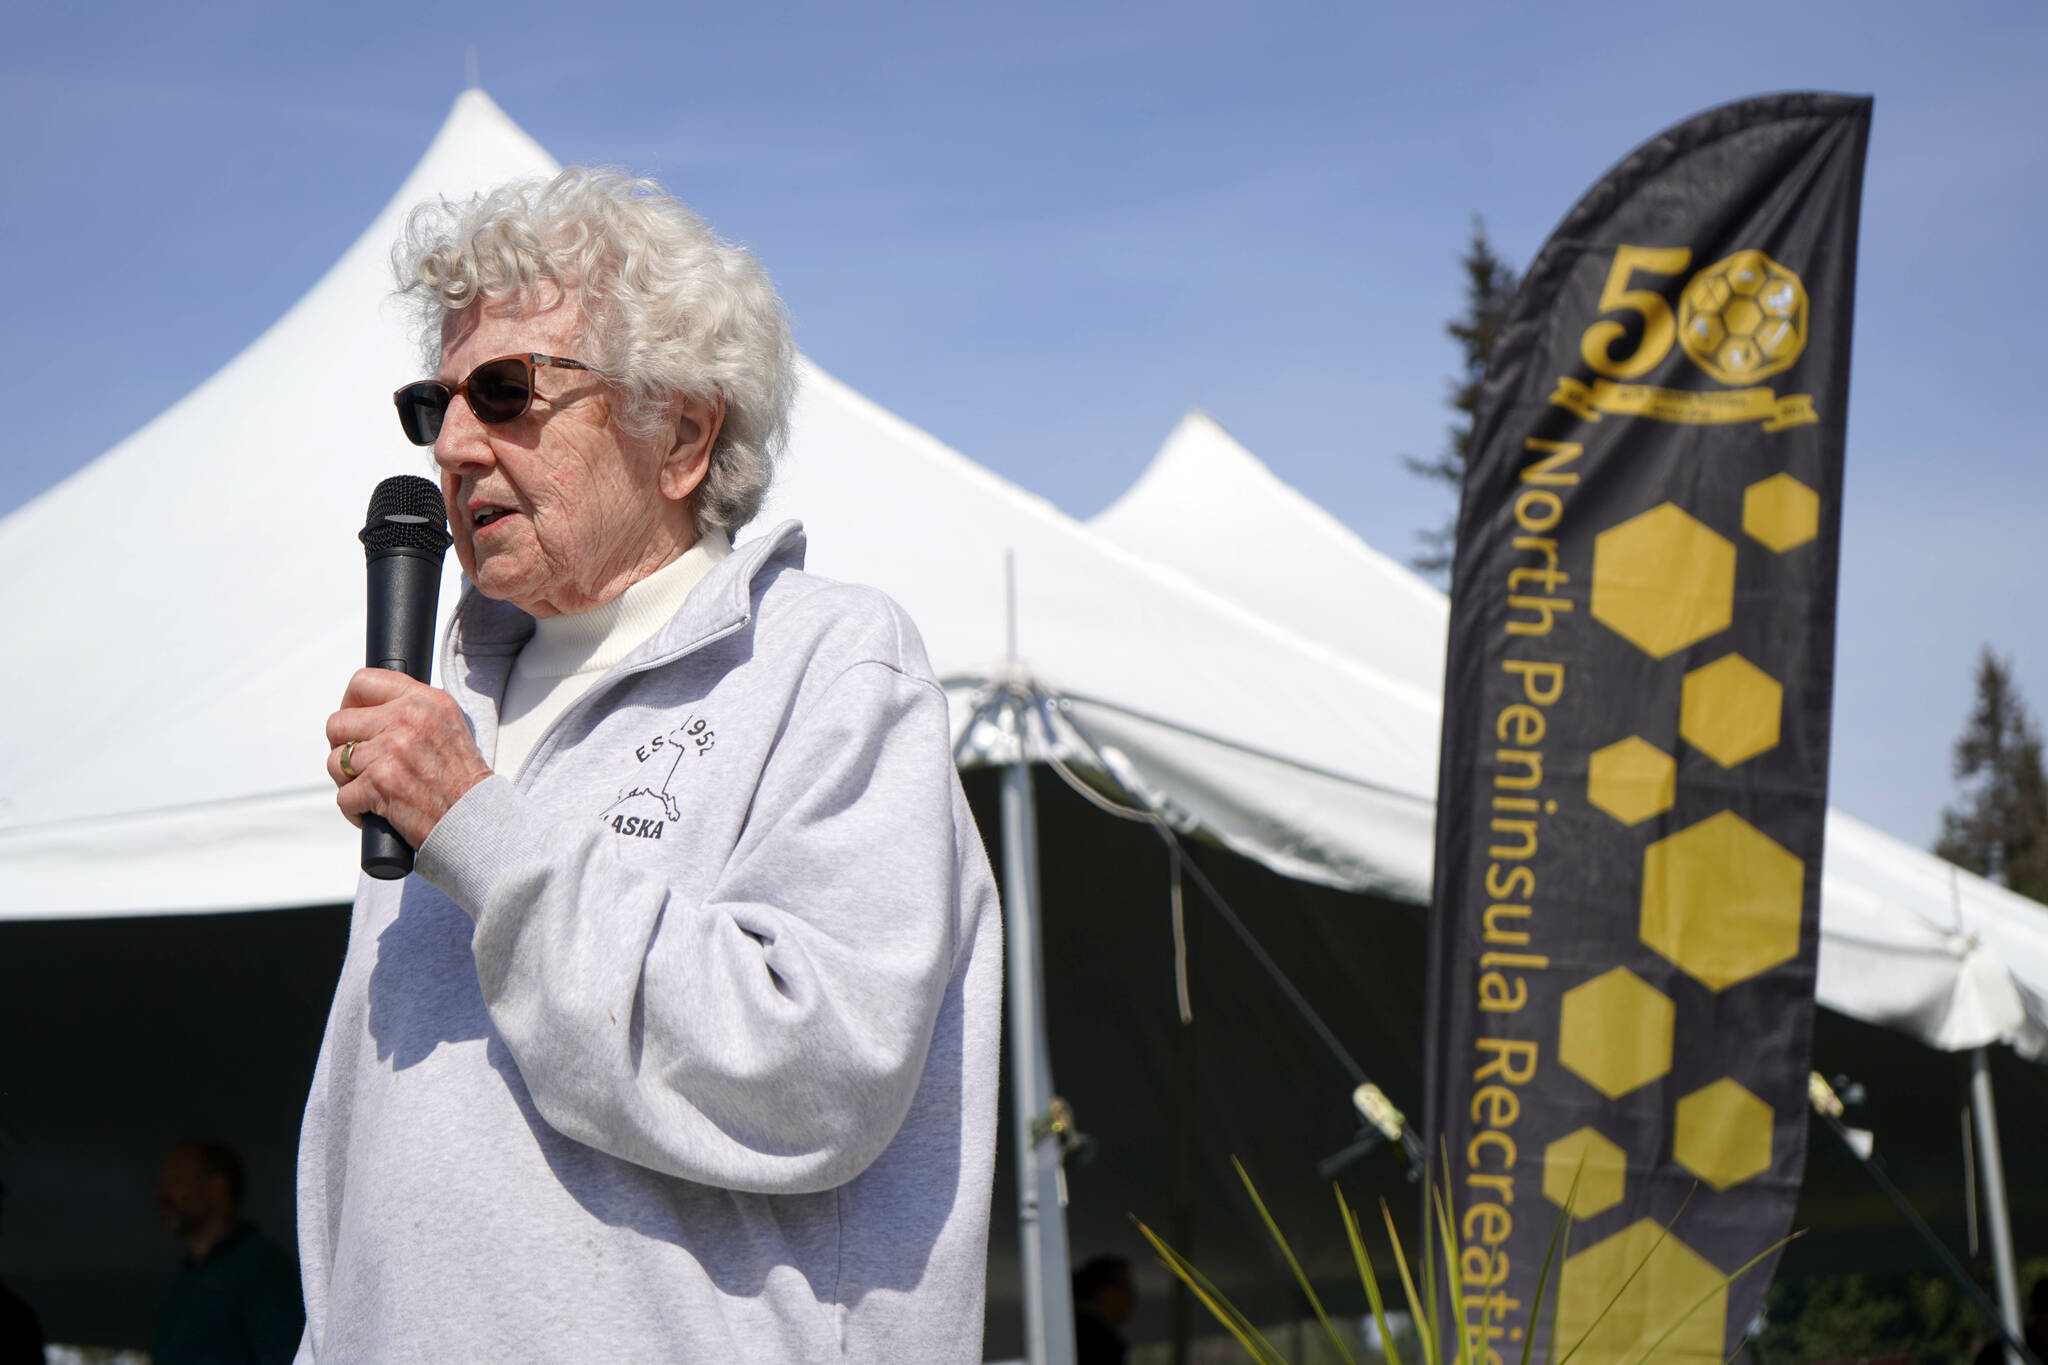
[682,1047]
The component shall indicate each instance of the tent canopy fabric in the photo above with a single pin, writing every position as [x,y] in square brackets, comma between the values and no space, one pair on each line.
[1285,703]
[225,587]
[226,624]
[200,585]
[1309,573]
[1908,940]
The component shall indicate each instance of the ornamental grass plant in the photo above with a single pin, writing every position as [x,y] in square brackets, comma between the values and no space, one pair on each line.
[1423,1290]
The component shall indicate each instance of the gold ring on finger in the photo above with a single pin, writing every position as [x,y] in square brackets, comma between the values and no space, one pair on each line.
[348,751]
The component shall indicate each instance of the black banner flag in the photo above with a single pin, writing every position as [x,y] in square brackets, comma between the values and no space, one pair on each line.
[1635,744]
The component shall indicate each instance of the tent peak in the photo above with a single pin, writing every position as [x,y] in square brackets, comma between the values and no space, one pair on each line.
[1201,465]
[477,148]
[1198,418]
[1198,448]
[474,109]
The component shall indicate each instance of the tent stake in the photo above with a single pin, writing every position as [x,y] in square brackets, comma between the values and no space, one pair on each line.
[1041,1211]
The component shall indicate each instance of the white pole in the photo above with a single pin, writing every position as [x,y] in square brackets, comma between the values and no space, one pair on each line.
[1995,1215]
[1041,1218]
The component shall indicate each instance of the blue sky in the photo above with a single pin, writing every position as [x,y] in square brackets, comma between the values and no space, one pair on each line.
[1042,232]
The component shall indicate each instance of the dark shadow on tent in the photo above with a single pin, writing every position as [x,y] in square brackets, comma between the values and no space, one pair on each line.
[1915,1099]
[1264,1088]
[119,1036]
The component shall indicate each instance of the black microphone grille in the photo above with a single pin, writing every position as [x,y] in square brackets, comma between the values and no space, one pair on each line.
[406,512]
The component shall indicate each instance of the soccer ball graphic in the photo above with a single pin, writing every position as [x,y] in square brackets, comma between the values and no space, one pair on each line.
[1743,318]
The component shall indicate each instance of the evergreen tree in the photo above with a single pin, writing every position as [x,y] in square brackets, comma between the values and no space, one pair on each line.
[1489,288]
[2000,827]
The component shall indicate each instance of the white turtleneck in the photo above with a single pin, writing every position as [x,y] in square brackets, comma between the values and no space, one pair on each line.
[568,654]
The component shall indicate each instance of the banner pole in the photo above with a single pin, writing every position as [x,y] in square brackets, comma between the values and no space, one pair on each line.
[1995,1212]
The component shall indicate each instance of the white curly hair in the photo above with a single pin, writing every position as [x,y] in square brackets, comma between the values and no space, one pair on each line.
[669,310]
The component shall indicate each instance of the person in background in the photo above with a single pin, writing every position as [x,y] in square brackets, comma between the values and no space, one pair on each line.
[21,1332]
[1103,1300]
[235,1300]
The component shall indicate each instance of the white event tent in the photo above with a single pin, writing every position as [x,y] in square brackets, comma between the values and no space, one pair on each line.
[209,605]
[225,531]
[200,591]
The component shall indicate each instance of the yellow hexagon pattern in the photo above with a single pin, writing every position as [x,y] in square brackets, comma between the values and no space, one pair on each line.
[1721,900]
[1722,1134]
[1614,1032]
[1632,780]
[1669,1277]
[1729,710]
[1599,1167]
[1662,580]
[1780,513]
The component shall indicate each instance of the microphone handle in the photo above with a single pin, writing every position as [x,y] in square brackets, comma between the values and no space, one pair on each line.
[405,587]
[386,854]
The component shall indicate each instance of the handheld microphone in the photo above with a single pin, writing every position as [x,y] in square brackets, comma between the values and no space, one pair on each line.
[405,538]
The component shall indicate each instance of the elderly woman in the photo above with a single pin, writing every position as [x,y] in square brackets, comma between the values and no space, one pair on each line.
[681,1042]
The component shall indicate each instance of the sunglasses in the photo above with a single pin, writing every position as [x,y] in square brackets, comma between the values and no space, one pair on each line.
[498,391]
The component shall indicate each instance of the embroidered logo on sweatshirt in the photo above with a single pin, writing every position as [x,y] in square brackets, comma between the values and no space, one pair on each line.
[663,762]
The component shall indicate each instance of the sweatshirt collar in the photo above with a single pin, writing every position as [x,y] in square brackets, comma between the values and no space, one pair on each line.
[722,600]
[592,641]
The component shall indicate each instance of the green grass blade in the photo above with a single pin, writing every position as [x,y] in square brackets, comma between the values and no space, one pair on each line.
[1557,1234]
[1372,1283]
[1300,1275]
[1453,1279]
[1564,1253]
[1261,1350]
[1220,1307]
[1657,1345]
[1425,1321]
[1429,1284]
[1662,1233]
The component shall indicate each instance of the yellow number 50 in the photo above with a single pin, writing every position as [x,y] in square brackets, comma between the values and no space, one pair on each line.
[1658,328]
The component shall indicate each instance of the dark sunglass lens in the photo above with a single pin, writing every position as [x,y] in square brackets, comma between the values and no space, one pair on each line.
[420,409]
[499,391]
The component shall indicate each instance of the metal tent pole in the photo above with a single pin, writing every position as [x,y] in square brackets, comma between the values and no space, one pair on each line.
[1038,1121]
[1995,1215]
